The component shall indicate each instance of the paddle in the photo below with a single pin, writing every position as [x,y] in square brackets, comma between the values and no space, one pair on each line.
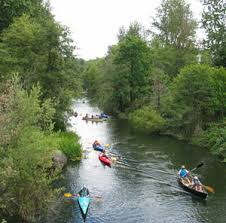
[69,195]
[208,188]
[198,166]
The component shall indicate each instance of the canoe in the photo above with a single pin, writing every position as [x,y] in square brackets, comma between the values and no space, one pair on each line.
[83,201]
[105,160]
[202,194]
[93,119]
[98,148]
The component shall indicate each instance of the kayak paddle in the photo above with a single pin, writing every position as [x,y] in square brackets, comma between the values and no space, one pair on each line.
[69,195]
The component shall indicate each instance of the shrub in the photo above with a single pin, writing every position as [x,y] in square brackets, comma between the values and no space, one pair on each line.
[69,145]
[213,138]
[146,119]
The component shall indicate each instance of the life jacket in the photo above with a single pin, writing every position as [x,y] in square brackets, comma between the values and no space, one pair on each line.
[183,173]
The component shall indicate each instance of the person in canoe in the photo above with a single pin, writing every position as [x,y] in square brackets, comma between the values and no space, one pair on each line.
[184,174]
[86,117]
[103,115]
[97,146]
[196,184]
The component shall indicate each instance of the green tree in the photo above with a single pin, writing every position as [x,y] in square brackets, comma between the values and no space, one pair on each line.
[175,29]
[214,22]
[193,105]
[26,151]
[42,53]
[219,81]
[10,9]
[132,56]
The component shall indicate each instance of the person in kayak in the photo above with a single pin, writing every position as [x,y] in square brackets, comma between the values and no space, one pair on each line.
[83,192]
[97,146]
[104,153]
[184,174]
[96,143]
[196,184]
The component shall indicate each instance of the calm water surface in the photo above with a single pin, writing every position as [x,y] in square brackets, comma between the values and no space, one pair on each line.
[141,186]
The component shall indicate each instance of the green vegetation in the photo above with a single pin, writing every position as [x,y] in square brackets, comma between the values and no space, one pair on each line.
[147,120]
[27,144]
[167,82]
[39,76]
[69,145]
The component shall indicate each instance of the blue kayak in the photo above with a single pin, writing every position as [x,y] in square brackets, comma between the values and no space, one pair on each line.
[98,148]
[84,200]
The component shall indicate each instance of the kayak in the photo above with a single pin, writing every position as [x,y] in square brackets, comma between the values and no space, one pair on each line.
[84,200]
[203,194]
[105,160]
[98,148]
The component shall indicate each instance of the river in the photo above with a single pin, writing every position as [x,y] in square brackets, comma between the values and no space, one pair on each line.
[141,186]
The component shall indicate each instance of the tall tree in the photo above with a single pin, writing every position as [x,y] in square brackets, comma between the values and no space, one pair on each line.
[41,52]
[10,9]
[214,22]
[133,56]
[175,27]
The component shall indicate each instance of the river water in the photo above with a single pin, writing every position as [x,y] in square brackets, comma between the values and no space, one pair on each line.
[141,186]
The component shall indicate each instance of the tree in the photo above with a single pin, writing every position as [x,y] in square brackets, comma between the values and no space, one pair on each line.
[133,56]
[42,52]
[25,150]
[214,22]
[194,99]
[175,30]
[219,82]
[10,9]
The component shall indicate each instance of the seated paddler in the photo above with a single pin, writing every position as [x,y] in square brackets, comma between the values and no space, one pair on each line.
[184,174]
[98,146]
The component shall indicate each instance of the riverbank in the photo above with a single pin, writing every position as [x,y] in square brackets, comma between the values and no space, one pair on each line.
[149,122]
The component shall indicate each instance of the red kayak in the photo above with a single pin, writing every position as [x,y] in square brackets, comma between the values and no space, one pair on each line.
[105,160]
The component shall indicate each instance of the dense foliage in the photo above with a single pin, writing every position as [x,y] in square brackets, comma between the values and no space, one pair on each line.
[27,143]
[147,120]
[39,76]
[166,82]
[68,143]
[214,22]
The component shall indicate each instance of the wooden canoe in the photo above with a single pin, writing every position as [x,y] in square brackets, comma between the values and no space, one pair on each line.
[203,194]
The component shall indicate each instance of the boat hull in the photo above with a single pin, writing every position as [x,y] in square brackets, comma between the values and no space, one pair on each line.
[98,148]
[201,194]
[84,204]
[105,160]
[84,201]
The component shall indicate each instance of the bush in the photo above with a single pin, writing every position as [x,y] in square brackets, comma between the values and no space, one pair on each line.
[213,138]
[69,145]
[147,119]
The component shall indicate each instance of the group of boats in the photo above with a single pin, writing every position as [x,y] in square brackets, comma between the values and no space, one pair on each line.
[106,160]
[96,118]
[84,198]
